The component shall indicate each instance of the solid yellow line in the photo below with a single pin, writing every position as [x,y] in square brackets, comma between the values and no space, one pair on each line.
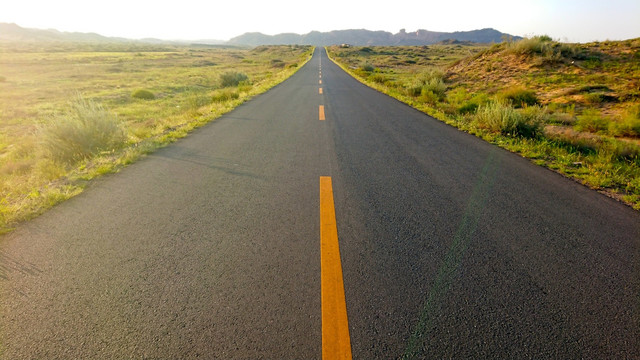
[321,112]
[320,91]
[336,343]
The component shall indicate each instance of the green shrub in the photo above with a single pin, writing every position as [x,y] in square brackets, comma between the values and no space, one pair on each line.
[428,83]
[414,88]
[143,95]
[196,101]
[377,78]
[224,95]
[629,125]
[232,78]
[277,63]
[472,105]
[592,62]
[541,45]
[594,98]
[367,67]
[85,130]
[432,73]
[591,121]
[468,107]
[623,150]
[458,96]
[462,102]
[498,116]
[519,97]
[546,48]
[436,87]
[429,97]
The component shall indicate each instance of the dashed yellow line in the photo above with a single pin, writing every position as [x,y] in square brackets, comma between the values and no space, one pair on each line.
[336,342]
[321,112]
[320,91]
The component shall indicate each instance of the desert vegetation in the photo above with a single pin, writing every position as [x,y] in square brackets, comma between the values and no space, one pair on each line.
[71,112]
[574,108]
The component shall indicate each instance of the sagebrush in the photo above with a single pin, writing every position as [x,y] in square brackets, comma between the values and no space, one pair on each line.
[86,129]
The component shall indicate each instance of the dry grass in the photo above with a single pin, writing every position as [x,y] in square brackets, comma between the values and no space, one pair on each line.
[38,117]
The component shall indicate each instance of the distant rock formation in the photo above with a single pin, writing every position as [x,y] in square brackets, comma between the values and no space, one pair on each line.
[363,37]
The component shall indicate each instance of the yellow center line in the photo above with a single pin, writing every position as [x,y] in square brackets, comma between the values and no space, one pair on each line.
[320,82]
[336,342]
[320,91]
[321,112]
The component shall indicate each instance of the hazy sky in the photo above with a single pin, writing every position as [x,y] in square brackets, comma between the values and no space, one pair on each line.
[567,20]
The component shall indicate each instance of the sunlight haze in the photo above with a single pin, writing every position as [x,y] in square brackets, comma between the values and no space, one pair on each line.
[575,21]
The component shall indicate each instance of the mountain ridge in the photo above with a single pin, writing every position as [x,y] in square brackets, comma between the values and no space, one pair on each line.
[14,32]
[363,37]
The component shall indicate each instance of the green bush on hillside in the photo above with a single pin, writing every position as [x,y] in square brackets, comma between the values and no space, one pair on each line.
[500,117]
[629,125]
[86,129]
[545,47]
[519,97]
[367,67]
[591,121]
[232,78]
[429,84]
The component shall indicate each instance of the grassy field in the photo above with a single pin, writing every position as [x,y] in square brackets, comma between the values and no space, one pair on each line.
[71,112]
[574,108]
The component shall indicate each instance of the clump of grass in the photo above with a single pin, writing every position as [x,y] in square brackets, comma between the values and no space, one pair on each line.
[143,94]
[519,97]
[196,101]
[500,117]
[86,129]
[576,141]
[378,78]
[463,102]
[367,67]
[594,98]
[232,78]
[629,125]
[429,85]
[224,95]
[591,121]
[622,150]
[277,63]
[542,44]
[544,47]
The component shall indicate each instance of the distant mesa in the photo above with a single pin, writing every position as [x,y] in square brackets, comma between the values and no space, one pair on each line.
[361,37]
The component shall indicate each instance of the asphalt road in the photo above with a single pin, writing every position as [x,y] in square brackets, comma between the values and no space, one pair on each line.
[450,247]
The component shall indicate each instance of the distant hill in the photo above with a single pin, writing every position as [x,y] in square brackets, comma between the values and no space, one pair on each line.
[367,37]
[13,32]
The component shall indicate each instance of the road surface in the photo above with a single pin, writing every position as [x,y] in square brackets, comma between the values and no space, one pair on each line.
[211,247]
